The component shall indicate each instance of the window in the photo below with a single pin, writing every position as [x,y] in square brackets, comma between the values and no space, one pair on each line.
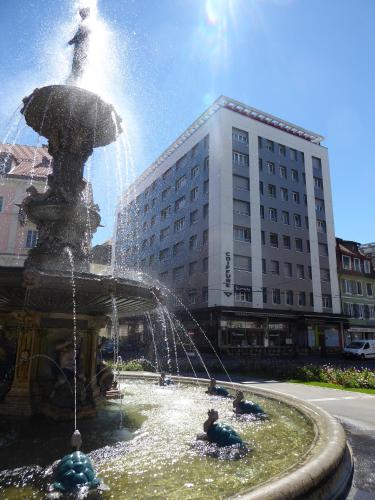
[318,182]
[319,205]
[193,217]
[275,267]
[193,242]
[261,187]
[289,297]
[31,238]
[285,217]
[272,212]
[269,145]
[299,244]
[261,208]
[327,301]
[180,162]
[300,271]
[286,242]
[205,210]
[194,171]
[165,212]
[241,207]
[348,309]
[367,266]
[263,237]
[167,173]
[264,295]
[152,240]
[241,233]
[305,199]
[317,163]
[311,299]
[192,296]
[146,208]
[323,249]
[194,194]
[165,193]
[294,175]
[288,269]
[240,159]
[284,194]
[153,185]
[164,254]
[356,264]
[260,163]
[206,165]
[153,201]
[180,183]
[307,227]
[272,190]
[153,220]
[295,197]
[180,203]
[324,274]
[1,203]
[194,150]
[179,225]
[205,237]
[264,266]
[242,263]
[274,240]
[369,289]
[297,220]
[206,141]
[205,265]
[205,186]
[358,288]
[177,248]
[304,177]
[276,296]
[321,226]
[243,293]
[310,272]
[270,167]
[164,233]
[192,268]
[205,294]
[293,154]
[282,150]
[178,273]
[240,182]
[283,172]
[240,135]
[301,299]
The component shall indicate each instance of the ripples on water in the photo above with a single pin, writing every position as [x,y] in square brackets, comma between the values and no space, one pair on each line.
[152,452]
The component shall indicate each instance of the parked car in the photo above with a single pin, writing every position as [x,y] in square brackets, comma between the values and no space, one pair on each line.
[360,349]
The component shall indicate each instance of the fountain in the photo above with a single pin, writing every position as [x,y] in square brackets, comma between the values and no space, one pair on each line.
[55,294]
[53,309]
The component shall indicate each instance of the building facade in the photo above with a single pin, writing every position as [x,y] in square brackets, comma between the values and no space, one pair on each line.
[20,167]
[235,218]
[357,283]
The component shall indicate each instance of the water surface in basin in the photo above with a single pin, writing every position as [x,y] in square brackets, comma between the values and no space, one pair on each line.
[151,450]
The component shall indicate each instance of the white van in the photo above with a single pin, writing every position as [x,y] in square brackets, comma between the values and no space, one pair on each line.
[360,349]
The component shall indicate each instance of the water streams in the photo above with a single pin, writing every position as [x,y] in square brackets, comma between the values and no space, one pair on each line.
[71,260]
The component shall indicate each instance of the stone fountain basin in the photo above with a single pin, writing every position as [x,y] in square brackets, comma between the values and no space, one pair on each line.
[52,212]
[52,292]
[56,108]
[326,470]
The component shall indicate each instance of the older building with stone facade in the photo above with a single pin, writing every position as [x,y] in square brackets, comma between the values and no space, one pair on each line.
[357,284]
[20,167]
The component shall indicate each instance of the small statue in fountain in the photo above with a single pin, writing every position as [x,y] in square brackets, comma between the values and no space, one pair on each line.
[243,407]
[74,472]
[215,390]
[220,434]
[164,380]
[81,47]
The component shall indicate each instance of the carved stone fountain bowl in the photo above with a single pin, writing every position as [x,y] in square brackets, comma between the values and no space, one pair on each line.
[50,291]
[56,108]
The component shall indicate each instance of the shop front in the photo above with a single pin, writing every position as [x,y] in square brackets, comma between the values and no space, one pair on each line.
[359,333]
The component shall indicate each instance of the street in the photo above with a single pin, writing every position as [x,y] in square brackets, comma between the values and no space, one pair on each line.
[356,411]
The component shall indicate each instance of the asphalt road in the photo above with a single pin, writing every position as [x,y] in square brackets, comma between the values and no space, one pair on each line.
[356,411]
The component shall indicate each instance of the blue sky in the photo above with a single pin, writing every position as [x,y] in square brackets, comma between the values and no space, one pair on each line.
[309,62]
